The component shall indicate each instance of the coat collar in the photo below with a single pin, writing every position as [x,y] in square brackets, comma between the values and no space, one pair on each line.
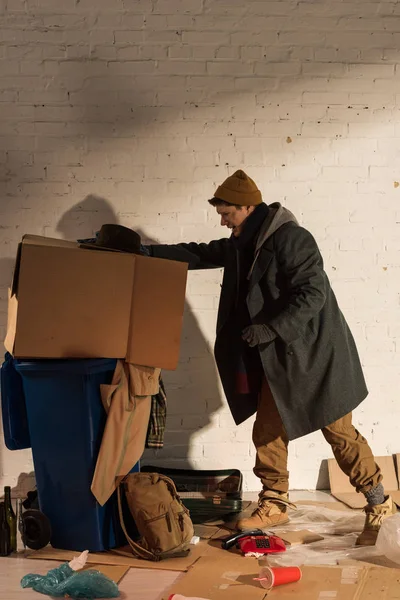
[277,216]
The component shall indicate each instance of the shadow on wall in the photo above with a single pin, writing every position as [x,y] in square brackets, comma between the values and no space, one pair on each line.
[85,218]
[26,483]
[192,390]
[193,398]
[193,395]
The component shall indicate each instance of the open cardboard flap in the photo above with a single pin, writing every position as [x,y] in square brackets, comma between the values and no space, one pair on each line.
[342,489]
[234,579]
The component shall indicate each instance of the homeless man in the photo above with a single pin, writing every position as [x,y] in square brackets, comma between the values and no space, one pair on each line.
[283,348]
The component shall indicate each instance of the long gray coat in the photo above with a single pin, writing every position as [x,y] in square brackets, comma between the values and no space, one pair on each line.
[312,367]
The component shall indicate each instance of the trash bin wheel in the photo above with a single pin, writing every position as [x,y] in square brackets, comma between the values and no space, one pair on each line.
[36,530]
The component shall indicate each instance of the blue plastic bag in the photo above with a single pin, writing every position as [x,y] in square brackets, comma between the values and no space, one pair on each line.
[64,581]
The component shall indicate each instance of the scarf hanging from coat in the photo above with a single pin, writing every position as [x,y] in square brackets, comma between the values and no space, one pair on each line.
[248,369]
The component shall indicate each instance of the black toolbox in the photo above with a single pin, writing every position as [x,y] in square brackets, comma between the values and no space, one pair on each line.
[209,495]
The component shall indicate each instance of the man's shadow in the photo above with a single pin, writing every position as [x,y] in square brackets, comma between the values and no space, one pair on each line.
[193,395]
[85,218]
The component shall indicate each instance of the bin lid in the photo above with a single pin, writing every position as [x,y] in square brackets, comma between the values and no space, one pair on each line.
[80,366]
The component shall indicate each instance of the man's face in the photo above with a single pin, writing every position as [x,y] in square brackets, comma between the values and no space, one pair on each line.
[233,217]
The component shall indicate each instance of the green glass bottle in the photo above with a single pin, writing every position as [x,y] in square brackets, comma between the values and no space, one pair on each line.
[5,548]
[11,518]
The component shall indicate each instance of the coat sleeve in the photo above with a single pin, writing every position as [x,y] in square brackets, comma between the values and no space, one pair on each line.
[198,256]
[300,263]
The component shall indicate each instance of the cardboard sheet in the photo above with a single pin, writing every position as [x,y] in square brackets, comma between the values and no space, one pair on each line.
[169,564]
[342,489]
[71,302]
[228,577]
[114,572]
[123,557]
[219,580]
[297,538]
[210,548]
[206,532]
[94,558]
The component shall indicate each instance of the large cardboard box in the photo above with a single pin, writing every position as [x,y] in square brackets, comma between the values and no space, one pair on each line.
[71,302]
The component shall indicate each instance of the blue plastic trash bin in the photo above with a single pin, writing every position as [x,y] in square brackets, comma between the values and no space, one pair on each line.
[66,421]
[13,407]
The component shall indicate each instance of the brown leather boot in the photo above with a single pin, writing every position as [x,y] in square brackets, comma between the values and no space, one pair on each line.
[272,510]
[375,515]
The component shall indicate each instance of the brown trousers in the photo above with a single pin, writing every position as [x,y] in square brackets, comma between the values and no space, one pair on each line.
[351,450]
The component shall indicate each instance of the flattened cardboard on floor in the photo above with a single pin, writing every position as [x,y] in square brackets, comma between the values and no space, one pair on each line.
[71,302]
[124,557]
[94,558]
[342,489]
[234,580]
[298,538]
[114,572]
[342,583]
[224,577]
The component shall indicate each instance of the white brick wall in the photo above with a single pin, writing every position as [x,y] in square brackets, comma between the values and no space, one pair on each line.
[133,110]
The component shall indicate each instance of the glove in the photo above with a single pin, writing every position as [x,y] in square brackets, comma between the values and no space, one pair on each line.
[258,334]
[146,250]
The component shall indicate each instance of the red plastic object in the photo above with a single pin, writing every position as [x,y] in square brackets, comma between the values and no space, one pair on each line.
[273,576]
[262,544]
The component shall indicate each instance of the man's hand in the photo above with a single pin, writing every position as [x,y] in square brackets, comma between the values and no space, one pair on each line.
[258,334]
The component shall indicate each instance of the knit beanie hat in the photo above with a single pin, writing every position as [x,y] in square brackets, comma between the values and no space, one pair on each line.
[239,189]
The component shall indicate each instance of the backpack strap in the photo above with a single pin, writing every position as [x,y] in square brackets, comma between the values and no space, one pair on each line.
[137,549]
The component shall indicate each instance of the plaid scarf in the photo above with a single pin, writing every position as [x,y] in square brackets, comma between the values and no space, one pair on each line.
[158,417]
